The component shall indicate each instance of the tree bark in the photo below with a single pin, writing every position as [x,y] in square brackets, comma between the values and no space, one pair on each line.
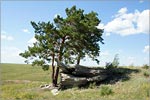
[68,80]
[60,59]
[84,71]
[78,60]
[53,71]
[80,75]
[56,76]
[81,71]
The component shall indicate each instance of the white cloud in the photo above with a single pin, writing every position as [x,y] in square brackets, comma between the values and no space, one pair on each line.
[100,26]
[55,16]
[3,32]
[143,21]
[107,34]
[141,1]
[146,49]
[11,55]
[122,10]
[105,53]
[3,36]
[10,38]
[31,41]
[26,31]
[128,23]
[6,37]
[130,60]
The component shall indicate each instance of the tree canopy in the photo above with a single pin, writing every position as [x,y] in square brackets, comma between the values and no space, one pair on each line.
[67,39]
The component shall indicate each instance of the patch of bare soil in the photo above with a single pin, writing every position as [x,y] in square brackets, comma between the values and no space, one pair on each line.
[17,81]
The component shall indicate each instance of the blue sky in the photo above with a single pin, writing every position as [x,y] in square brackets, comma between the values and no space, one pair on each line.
[126,25]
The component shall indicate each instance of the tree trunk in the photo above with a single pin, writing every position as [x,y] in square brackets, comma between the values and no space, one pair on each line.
[57,71]
[78,60]
[80,75]
[60,58]
[68,80]
[84,71]
[53,71]
[81,71]
[56,76]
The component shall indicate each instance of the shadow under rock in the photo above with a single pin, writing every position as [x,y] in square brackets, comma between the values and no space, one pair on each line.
[118,74]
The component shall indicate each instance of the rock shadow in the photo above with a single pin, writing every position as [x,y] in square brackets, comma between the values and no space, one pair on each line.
[118,74]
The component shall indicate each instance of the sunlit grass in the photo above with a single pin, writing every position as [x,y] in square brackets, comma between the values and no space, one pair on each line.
[24,72]
[136,88]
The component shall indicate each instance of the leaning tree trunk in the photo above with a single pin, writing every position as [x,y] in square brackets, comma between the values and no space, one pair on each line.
[80,75]
[68,80]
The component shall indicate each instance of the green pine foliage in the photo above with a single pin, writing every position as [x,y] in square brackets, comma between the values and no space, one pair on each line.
[77,31]
[67,39]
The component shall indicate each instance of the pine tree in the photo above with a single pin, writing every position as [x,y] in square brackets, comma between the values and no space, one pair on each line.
[68,39]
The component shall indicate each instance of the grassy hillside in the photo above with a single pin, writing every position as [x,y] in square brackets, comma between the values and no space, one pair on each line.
[24,72]
[21,82]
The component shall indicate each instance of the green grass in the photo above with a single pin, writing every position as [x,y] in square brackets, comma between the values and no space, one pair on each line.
[24,82]
[105,90]
[24,72]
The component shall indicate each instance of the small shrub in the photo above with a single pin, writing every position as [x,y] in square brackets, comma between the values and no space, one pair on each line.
[131,65]
[146,74]
[124,79]
[148,93]
[119,71]
[105,90]
[114,63]
[145,66]
[92,85]
[108,65]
